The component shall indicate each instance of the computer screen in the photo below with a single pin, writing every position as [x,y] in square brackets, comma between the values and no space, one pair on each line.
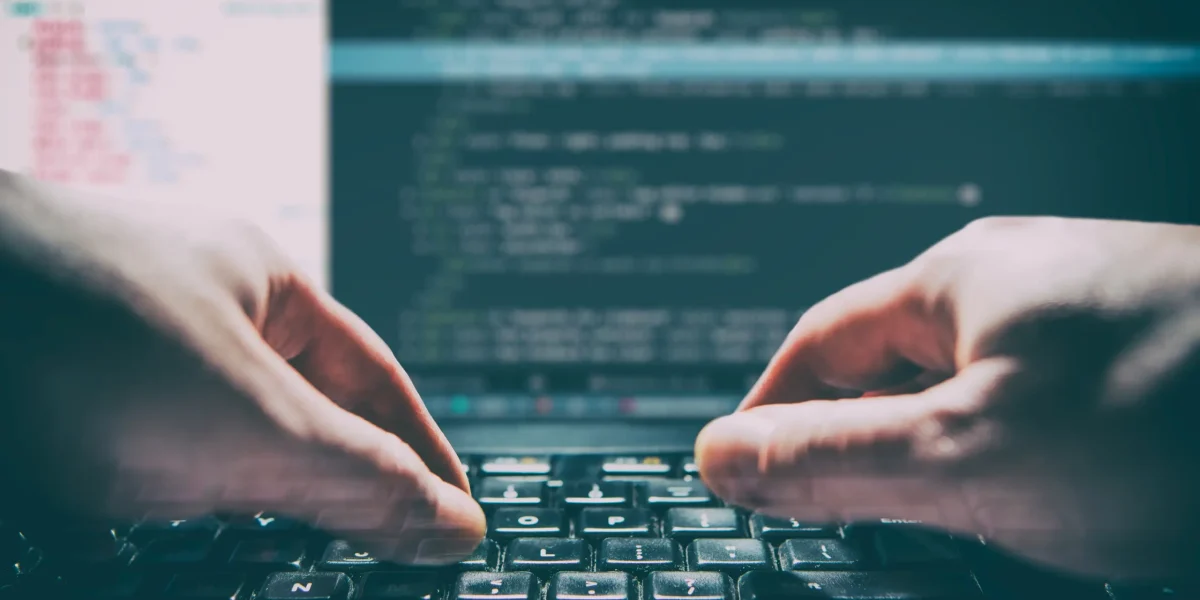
[619,208]
[588,209]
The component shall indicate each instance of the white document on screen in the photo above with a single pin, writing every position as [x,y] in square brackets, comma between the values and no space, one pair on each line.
[213,102]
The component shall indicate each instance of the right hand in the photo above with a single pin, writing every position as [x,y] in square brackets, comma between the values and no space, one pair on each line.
[1034,381]
[154,358]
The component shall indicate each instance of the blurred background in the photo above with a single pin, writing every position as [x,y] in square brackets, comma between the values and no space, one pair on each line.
[582,208]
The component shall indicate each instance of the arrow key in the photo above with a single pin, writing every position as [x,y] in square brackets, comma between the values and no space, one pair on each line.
[588,586]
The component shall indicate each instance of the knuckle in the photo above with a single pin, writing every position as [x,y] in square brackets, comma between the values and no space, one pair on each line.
[953,443]
[994,224]
[243,242]
[972,234]
[249,260]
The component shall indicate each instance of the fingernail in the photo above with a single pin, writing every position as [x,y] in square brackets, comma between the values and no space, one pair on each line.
[729,451]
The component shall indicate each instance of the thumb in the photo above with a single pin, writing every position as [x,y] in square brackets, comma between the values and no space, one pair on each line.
[775,458]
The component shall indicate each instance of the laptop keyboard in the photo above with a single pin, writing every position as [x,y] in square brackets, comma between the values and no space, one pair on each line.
[559,528]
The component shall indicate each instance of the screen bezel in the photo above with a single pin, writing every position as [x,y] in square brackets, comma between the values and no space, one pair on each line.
[573,437]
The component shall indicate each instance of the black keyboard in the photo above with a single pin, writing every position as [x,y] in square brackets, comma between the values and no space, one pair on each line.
[559,528]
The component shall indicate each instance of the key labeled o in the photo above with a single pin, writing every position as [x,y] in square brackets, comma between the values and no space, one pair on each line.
[527,520]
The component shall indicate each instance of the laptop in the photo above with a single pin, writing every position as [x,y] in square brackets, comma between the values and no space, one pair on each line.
[585,227]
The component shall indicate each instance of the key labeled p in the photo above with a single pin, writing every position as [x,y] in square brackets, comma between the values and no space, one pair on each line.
[615,520]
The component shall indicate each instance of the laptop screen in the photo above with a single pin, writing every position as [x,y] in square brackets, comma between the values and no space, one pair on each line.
[580,210]
[608,209]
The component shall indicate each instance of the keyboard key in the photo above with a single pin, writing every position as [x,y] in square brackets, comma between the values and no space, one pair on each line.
[903,547]
[156,527]
[811,554]
[612,522]
[580,494]
[496,586]
[399,586]
[636,465]
[273,554]
[262,522]
[526,522]
[690,467]
[776,530]
[305,586]
[676,492]
[626,554]
[339,555]
[830,585]
[174,552]
[482,559]
[497,492]
[541,554]
[586,586]
[728,556]
[515,465]
[690,523]
[205,586]
[689,586]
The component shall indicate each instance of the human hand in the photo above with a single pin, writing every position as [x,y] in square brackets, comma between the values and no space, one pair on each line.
[1030,380]
[161,359]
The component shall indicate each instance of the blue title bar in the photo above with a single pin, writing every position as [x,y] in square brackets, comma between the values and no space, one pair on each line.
[468,61]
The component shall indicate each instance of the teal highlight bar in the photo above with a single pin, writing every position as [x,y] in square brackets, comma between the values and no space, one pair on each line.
[25,9]
[472,61]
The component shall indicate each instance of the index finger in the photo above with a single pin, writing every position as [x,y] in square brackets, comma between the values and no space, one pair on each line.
[874,334]
[340,355]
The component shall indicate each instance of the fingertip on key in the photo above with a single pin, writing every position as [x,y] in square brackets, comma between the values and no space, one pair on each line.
[729,451]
